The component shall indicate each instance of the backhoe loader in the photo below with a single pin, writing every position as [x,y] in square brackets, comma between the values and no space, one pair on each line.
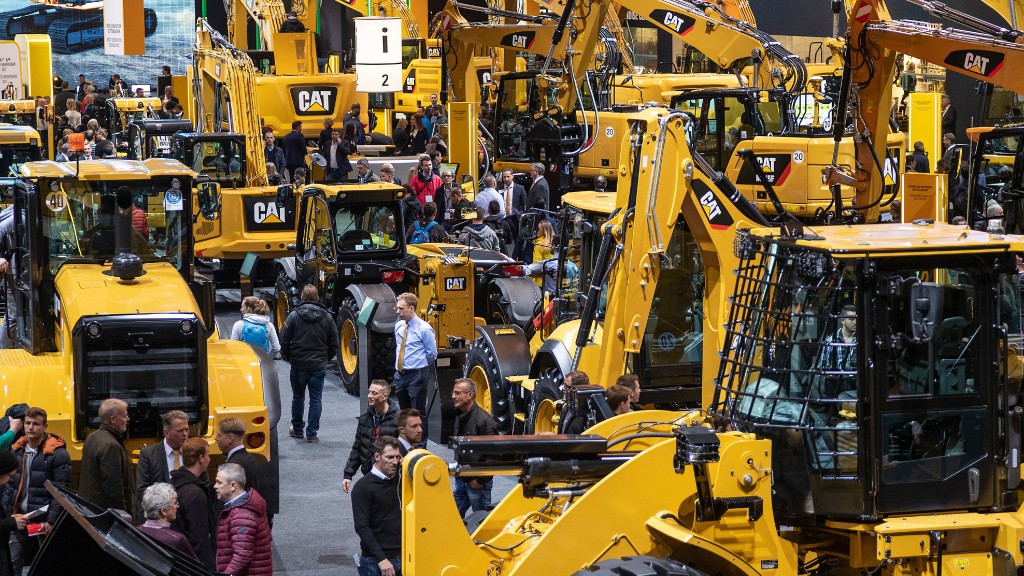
[893,450]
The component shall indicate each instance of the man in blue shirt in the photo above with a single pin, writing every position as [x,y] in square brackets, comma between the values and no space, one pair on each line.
[416,352]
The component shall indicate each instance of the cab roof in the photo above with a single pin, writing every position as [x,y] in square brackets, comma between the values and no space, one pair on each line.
[17,134]
[106,169]
[600,202]
[371,192]
[918,238]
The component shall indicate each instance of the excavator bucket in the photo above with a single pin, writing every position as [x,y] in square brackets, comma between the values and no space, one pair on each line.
[90,541]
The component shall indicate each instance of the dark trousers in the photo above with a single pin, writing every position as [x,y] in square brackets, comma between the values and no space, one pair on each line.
[23,549]
[411,388]
[314,381]
[369,566]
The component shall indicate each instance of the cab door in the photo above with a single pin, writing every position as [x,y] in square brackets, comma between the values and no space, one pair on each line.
[316,260]
[935,421]
[32,290]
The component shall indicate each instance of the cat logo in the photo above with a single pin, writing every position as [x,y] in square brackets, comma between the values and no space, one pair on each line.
[433,52]
[891,170]
[981,62]
[410,82]
[712,205]
[775,168]
[262,214]
[455,283]
[519,40]
[314,100]
[678,23]
[267,212]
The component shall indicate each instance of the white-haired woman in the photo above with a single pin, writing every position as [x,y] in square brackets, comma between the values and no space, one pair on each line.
[160,506]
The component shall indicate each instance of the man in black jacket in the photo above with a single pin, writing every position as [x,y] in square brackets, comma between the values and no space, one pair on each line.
[45,457]
[196,518]
[294,145]
[309,340]
[472,420]
[379,420]
[377,511]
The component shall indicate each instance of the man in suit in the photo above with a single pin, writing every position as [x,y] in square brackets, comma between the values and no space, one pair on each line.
[515,205]
[948,116]
[157,461]
[230,433]
[336,154]
[294,145]
[539,190]
[410,430]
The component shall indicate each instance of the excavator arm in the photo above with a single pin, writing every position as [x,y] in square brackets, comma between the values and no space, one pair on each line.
[224,86]
[988,52]
[664,181]
[724,31]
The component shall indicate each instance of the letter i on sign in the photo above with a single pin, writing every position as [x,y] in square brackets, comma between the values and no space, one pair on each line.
[384,39]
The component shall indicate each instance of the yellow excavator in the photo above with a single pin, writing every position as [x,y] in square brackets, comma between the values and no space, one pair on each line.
[863,416]
[289,84]
[241,217]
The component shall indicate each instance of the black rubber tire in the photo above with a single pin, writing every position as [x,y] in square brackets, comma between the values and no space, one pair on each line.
[382,349]
[639,566]
[348,344]
[481,360]
[546,388]
[282,305]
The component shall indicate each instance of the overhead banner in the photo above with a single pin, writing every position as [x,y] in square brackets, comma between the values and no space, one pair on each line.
[124,31]
[10,71]
[77,37]
[378,54]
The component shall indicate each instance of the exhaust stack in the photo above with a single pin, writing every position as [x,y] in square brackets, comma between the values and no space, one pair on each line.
[126,264]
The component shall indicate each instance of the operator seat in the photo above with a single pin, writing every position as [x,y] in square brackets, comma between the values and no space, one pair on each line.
[352,238]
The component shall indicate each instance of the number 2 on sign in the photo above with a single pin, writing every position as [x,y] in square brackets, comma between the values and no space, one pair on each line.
[384,81]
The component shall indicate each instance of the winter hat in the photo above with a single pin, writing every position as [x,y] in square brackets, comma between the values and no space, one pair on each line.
[8,463]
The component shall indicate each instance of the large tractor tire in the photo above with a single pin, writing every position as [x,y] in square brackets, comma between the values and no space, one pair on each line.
[543,414]
[493,392]
[282,300]
[382,349]
[639,566]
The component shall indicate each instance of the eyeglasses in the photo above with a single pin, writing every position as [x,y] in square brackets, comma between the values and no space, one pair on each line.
[458,393]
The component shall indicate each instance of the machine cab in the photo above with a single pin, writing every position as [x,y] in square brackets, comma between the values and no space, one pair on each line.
[215,157]
[354,232]
[881,374]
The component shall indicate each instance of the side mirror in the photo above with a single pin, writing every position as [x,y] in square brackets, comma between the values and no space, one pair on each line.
[467,178]
[528,226]
[285,194]
[208,195]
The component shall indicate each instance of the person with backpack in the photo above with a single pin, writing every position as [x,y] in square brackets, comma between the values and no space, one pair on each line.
[477,234]
[255,326]
[426,229]
[499,225]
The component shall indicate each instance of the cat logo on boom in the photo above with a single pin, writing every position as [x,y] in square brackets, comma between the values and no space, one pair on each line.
[981,62]
[314,100]
[718,218]
[521,40]
[681,24]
